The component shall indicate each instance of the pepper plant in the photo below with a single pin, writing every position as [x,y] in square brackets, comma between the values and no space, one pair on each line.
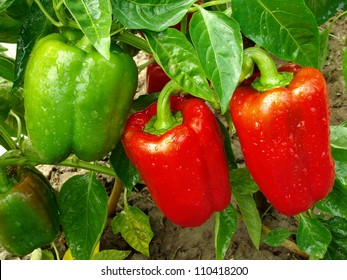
[67,98]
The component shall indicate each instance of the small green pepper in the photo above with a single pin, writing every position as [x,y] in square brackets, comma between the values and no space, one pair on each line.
[29,216]
[76,101]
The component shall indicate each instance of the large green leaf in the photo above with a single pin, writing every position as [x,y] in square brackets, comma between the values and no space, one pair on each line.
[225,227]
[243,189]
[6,67]
[155,15]
[82,203]
[35,26]
[285,28]
[176,55]
[335,202]
[95,19]
[276,237]
[313,237]
[324,9]
[12,14]
[338,136]
[134,227]
[218,42]
[337,249]
[4,4]
[123,167]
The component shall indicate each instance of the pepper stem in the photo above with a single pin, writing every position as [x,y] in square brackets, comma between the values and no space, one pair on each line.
[165,120]
[270,78]
[85,44]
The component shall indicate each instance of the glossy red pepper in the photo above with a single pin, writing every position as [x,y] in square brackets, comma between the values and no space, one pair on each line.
[185,169]
[284,136]
[156,78]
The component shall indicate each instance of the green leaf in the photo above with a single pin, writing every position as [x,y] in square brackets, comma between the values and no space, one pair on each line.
[6,67]
[111,255]
[218,41]
[335,202]
[176,55]
[324,9]
[276,237]
[225,227]
[285,28]
[95,19]
[337,249]
[12,14]
[243,182]
[39,254]
[344,67]
[338,136]
[243,188]
[155,15]
[143,101]
[9,28]
[313,237]
[123,167]
[35,26]
[82,202]
[134,227]
[4,4]
[324,46]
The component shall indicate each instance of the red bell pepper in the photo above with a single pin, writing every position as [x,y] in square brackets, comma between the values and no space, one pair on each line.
[156,78]
[185,167]
[284,136]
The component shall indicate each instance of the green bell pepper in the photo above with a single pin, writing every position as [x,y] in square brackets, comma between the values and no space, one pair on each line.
[29,216]
[76,101]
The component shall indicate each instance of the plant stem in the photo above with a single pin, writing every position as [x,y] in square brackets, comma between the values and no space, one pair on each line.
[48,16]
[7,137]
[144,65]
[56,251]
[209,4]
[88,166]
[19,126]
[269,76]
[58,6]
[165,119]
[133,40]
[114,197]
[20,160]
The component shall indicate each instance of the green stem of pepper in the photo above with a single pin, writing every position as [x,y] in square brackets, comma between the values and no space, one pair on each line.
[133,40]
[269,76]
[165,120]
